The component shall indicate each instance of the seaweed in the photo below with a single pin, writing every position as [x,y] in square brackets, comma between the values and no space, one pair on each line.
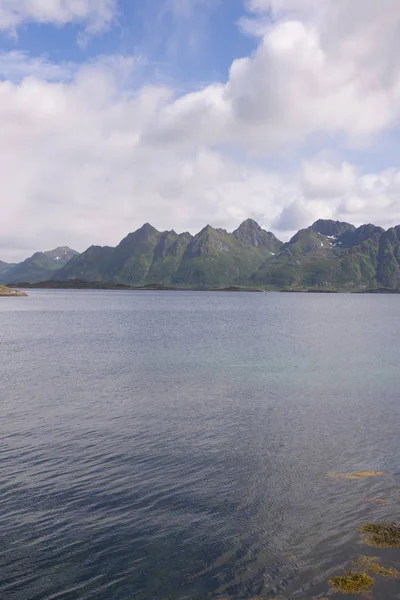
[353,582]
[357,475]
[372,565]
[381,535]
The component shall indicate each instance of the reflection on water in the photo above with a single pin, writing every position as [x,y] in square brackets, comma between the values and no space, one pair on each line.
[179,445]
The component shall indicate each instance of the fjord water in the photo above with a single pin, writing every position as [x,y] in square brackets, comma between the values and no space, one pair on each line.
[177,445]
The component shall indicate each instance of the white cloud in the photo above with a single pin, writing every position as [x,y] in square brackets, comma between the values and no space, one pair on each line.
[337,73]
[348,194]
[322,179]
[85,160]
[96,15]
[17,65]
[77,170]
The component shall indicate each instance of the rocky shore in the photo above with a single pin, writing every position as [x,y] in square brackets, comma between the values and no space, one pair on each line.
[6,291]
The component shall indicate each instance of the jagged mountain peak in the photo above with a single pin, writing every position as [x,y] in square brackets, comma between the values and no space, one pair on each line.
[329,227]
[146,230]
[249,232]
[249,223]
[210,229]
[147,227]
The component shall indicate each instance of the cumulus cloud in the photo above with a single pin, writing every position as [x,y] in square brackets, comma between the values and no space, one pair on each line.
[88,156]
[75,169]
[96,15]
[337,73]
[78,170]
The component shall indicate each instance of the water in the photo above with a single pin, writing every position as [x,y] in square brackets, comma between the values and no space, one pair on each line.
[177,445]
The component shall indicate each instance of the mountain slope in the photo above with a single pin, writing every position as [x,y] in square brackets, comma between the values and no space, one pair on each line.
[388,272]
[328,254]
[39,266]
[5,267]
[144,256]
[215,257]
[167,257]
[89,265]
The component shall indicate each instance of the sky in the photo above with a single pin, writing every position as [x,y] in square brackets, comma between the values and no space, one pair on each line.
[184,113]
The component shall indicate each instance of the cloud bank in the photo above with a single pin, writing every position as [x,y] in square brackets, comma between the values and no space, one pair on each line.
[89,155]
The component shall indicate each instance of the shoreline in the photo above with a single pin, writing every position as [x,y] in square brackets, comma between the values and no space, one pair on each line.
[94,285]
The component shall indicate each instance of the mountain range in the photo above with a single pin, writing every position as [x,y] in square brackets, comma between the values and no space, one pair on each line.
[328,255]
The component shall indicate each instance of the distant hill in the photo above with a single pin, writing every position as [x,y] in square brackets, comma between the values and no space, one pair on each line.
[327,256]
[39,266]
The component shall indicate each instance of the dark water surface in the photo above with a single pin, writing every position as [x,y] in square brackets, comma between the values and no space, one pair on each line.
[177,445]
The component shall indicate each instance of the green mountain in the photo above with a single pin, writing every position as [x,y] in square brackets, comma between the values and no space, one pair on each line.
[40,266]
[143,256]
[213,257]
[90,265]
[333,255]
[328,255]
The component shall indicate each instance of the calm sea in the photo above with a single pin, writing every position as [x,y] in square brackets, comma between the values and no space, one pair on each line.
[176,445]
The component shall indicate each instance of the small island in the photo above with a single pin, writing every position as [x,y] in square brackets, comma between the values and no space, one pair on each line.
[6,291]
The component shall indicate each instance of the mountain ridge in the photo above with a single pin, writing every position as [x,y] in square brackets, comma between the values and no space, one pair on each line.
[327,255]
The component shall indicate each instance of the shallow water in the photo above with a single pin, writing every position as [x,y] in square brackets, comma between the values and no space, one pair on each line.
[171,445]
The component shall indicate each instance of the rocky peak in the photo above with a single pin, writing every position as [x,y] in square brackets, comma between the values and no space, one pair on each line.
[61,255]
[331,228]
[147,230]
[206,241]
[250,232]
[354,238]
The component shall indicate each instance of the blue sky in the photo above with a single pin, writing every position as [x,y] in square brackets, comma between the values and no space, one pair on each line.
[187,112]
[187,47]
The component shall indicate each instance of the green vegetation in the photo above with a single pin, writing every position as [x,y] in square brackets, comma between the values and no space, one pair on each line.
[345,258]
[216,258]
[381,535]
[329,256]
[353,582]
